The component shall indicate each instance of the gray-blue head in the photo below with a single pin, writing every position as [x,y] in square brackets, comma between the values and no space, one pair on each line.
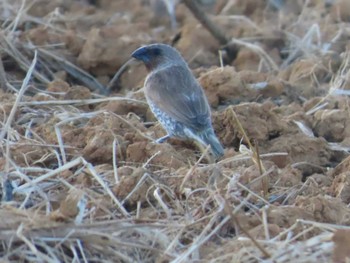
[157,56]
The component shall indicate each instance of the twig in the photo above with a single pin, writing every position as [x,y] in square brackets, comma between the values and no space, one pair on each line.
[3,79]
[119,72]
[76,72]
[215,31]
[12,50]
[260,51]
[18,98]
[264,181]
[189,173]
[78,102]
[228,210]
[256,159]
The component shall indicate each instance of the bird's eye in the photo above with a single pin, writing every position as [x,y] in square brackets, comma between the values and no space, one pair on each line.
[156,52]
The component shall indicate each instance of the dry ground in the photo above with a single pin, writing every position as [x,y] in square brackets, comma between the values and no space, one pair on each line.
[83,180]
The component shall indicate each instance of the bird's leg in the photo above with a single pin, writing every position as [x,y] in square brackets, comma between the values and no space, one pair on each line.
[163,139]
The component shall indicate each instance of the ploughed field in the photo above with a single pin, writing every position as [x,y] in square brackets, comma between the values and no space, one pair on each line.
[83,179]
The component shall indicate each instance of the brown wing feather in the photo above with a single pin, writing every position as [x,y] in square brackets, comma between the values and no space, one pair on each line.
[175,91]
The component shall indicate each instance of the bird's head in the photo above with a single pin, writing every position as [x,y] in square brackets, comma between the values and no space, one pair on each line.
[157,56]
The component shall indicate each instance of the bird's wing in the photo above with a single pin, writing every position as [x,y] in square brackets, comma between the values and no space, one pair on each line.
[176,92]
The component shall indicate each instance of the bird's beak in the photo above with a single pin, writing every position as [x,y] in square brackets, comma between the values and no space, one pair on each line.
[140,54]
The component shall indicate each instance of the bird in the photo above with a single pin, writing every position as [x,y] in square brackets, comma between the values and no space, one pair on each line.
[175,96]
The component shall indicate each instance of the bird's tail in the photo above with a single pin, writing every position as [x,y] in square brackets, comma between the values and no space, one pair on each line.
[209,137]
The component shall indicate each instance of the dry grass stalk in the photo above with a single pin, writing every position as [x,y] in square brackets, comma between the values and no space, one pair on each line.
[255,153]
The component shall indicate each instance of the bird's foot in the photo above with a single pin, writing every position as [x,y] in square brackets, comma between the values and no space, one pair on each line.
[163,139]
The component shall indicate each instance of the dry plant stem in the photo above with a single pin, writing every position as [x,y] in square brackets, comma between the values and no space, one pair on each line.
[3,79]
[18,98]
[252,193]
[337,83]
[255,157]
[264,181]
[70,165]
[265,222]
[76,72]
[158,196]
[221,60]
[7,126]
[132,126]
[150,159]
[226,6]
[106,188]
[85,232]
[261,176]
[13,51]
[15,22]
[269,61]
[329,227]
[119,72]
[140,182]
[189,173]
[242,18]
[242,157]
[115,165]
[77,102]
[215,31]
[229,212]
[203,237]
[49,174]
[258,158]
[32,247]
[205,21]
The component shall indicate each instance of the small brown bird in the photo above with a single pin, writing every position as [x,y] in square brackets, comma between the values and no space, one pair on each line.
[175,96]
